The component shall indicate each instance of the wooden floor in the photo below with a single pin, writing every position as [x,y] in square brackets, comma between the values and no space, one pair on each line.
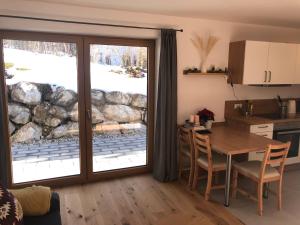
[139,200]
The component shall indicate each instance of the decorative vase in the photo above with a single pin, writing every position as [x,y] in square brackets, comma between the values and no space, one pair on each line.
[208,124]
[203,67]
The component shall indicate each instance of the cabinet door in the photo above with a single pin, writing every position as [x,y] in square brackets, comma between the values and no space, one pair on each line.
[297,75]
[282,63]
[256,61]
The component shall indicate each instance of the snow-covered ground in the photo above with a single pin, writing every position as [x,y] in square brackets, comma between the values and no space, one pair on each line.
[62,71]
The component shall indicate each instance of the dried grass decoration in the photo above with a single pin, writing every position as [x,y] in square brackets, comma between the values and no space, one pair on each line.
[204,49]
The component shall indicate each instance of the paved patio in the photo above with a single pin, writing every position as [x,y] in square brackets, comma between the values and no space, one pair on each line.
[61,157]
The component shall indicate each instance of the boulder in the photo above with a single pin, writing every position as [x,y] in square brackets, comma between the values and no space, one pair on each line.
[67,130]
[8,91]
[40,112]
[117,97]
[46,91]
[42,115]
[26,93]
[132,128]
[121,113]
[27,133]
[107,127]
[139,101]
[52,122]
[64,98]
[97,97]
[74,114]
[145,117]
[97,116]
[58,112]
[11,127]
[18,114]
[47,130]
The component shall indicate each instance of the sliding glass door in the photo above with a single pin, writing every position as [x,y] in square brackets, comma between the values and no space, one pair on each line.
[77,108]
[119,91]
[42,73]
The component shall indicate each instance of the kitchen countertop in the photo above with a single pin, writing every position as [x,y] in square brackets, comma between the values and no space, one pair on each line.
[255,120]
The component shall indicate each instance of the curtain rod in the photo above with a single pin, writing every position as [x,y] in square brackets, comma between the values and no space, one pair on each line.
[85,23]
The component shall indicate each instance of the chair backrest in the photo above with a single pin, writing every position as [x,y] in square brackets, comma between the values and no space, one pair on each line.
[275,154]
[185,139]
[202,146]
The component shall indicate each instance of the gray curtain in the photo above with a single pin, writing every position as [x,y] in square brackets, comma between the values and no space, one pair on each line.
[3,147]
[165,147]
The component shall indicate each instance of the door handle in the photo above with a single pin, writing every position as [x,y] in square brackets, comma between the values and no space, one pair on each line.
[89,114]
[270,76]
[266,74]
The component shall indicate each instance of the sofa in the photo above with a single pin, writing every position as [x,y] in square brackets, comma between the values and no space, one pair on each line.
[51,218]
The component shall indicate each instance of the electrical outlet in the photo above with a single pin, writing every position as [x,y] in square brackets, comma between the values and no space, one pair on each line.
[238,106]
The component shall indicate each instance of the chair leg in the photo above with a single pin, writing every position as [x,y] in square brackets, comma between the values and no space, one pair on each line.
[235,183]
[217,178]
[208,186]
[195,180]
[179,166]
[279,196]
[260,198]
[191,175]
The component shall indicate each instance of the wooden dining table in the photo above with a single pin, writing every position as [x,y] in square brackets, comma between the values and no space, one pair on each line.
[230,141]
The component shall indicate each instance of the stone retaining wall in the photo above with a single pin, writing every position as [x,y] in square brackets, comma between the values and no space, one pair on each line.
[41,111]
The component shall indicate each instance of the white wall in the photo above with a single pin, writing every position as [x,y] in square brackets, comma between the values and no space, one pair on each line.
[194,93]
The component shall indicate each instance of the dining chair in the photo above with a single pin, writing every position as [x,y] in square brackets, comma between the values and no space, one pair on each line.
[186,151]
[213,163]
[262,172]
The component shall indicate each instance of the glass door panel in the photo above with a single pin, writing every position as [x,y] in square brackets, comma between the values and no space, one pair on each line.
[41,79]
[119,87]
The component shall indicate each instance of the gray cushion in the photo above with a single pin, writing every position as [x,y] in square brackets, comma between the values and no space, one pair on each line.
[219,161]
[253,168]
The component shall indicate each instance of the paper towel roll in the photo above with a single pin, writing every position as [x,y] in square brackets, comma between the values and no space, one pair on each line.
[292,106]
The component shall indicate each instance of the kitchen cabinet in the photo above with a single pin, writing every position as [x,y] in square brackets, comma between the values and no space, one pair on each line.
[282,63]
[265,130]
[263,63]
[255,62]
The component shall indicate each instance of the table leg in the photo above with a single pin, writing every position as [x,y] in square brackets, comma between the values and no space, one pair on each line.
[266,191]
[227,185]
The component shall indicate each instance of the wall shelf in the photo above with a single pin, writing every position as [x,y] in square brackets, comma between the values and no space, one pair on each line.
[205,74]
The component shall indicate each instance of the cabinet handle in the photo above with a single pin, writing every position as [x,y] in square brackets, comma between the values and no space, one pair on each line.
[270,76]
[266,74]
[264,126]
[260,152]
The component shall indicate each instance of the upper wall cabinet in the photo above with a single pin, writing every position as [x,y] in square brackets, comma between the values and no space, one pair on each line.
[263,63]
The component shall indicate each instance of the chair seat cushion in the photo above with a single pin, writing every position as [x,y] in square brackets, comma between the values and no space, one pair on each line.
[253,168]
[219,161]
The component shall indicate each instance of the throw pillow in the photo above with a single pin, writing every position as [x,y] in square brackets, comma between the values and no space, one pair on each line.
[10,209]
[35,200]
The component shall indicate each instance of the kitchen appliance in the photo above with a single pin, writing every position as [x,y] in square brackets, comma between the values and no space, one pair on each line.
[291,106]
[292,135]
[287,130]
[283,106]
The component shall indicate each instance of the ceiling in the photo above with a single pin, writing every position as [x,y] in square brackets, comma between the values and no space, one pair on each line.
[266,12]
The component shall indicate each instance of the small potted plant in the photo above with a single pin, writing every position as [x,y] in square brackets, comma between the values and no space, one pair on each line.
[206,117]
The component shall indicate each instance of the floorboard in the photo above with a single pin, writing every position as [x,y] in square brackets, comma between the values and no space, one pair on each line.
[139,200]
